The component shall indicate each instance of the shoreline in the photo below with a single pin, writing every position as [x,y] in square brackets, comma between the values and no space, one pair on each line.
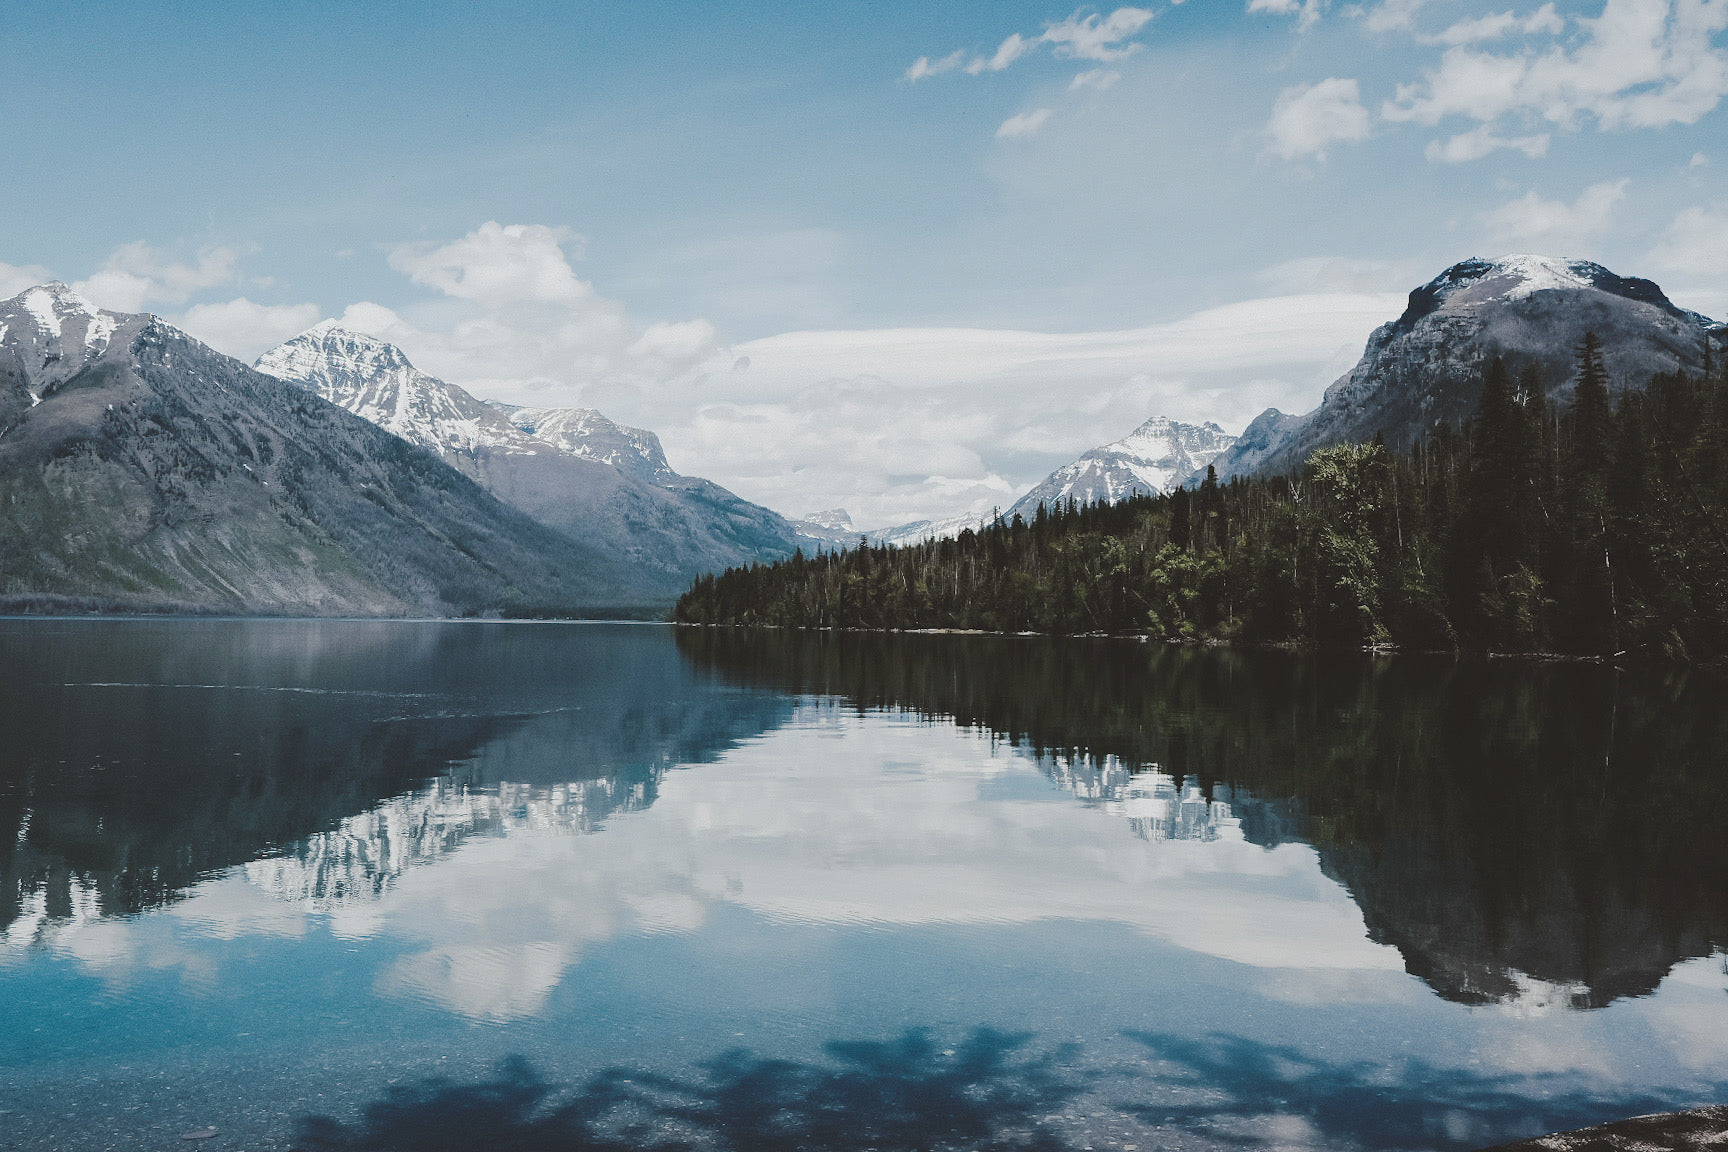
[1238,645]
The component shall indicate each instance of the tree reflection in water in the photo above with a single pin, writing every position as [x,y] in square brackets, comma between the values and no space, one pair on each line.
[987,1092]
[1504,824]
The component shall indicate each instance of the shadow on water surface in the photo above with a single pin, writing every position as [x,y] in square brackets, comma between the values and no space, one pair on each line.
[1496,821]
[989,1091]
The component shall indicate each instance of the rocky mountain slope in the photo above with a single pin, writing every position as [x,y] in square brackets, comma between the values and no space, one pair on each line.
[140,469]
[1423,370]
[1154,458]
[569,468]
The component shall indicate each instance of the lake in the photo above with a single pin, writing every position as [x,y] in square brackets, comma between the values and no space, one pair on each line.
[400,885]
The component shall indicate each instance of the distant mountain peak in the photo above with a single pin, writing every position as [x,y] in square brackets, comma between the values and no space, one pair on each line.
[837,519]
[1423,371]
[1156,457]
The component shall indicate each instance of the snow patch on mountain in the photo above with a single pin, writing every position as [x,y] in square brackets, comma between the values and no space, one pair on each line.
[585,432]
[1422,371]
[1154,458]
[373,379]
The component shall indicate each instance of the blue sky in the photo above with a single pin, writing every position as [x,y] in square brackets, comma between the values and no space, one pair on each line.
[679,187]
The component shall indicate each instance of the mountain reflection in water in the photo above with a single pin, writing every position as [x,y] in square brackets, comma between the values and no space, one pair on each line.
[142,756]
[307,882]
[1500,823]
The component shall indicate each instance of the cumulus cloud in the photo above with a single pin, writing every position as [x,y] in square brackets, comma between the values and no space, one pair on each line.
[15,278]
[1554,224]
[1307,118]
[244,329]
[1080,37]
[137,275]
[1025,124]
[1696,243]
[1642,64]
[527,322]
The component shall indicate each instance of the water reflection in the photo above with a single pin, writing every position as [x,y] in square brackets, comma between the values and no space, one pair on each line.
[142,757]
[1155,804]
[1134,892]
[989,1090]
[1517,831]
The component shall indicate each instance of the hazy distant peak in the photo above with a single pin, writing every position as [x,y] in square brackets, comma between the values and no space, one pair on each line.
[837,519]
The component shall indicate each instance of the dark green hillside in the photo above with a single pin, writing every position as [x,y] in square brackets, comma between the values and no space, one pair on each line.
[1589,527]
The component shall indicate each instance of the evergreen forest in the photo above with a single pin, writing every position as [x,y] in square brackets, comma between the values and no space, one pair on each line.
[1583,525]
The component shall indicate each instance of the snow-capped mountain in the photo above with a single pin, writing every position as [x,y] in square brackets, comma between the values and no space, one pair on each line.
[570,468]
[374,380]
[833,530]
[141,469]
[55,334]
[1156,457]
[585,432]
[1423,370]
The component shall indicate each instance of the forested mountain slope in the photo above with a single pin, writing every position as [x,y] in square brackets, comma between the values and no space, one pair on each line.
[1589,527]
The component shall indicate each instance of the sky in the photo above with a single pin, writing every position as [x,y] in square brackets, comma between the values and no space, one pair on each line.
[898,258]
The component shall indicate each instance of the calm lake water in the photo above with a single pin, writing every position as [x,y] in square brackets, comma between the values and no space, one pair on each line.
[416,886]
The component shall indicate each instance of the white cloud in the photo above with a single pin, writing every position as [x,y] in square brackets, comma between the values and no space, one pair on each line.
[1011,50]
[1698,160]
[137,275]
[243,329]
[924,66]
[15,278]
[1553,223]
[526,323]
[906,424]
[1479,142]
[1306,11]
[1495,26]
[1025,124]
[1098,38]
[1088,37]
[1696,243]
[1308,118]
[1391,15]
[1097,78]
[1643,64]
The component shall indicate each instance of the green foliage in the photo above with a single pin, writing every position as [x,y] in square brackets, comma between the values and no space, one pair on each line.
[1593,529]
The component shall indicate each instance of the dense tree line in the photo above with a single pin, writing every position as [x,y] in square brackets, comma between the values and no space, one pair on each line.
[1582,526]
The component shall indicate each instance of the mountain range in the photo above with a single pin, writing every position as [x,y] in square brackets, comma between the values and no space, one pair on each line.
[142,470]
[572,469]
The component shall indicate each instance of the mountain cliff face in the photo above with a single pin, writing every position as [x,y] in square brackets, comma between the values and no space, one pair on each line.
[140,469]
[1423,370]
[1154,458]
[569,468]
